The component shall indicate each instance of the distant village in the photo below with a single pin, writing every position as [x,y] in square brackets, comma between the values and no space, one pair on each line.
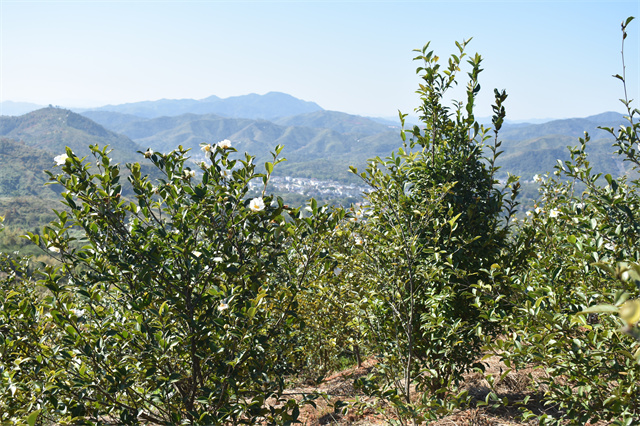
[313,187]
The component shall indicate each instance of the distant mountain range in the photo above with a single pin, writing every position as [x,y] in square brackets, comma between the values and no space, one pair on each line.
[318,143]
[268,106]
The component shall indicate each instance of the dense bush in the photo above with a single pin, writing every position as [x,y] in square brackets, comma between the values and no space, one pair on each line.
[590,372]
[434,226]
[175,307]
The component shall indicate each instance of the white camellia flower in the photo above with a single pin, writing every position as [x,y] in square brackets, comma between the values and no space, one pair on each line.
[225,144]
[148,153]
[60,159]
[223,306]
[529,213]
[197,253]
[256,204]
[554,213]
[357,215]
[54,249]
[537,178]
[226,173]
[538,210]
[206,149]
[189,174]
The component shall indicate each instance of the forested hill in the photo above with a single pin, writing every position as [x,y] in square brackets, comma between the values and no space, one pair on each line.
[21,170]
[52,129]
[321,144]
[536,148]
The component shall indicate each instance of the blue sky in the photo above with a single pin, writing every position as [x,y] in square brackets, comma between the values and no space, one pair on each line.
[554,58]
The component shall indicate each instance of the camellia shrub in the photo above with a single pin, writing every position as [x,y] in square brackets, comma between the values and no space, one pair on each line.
[175,306]
[27,348]
[436,225]
[584,232]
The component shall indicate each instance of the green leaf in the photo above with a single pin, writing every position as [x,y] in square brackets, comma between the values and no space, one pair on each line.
[608,178]
[31,420]
[599,309]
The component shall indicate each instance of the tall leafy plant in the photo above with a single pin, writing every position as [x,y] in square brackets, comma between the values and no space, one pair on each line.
[438,225]
[584,227]
[173,307]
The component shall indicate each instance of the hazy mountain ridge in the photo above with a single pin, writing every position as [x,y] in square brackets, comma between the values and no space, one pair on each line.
[337,121]
[267,106]
[110,119]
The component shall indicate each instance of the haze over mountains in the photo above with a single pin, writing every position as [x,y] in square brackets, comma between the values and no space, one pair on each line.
[268,106]
[318,143]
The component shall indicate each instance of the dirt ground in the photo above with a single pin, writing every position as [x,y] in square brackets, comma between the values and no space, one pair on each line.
[339,386]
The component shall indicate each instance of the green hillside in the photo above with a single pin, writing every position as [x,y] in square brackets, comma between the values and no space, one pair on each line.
[320,144]
[21,170]
[337,121]
[320,152]
[28,144]
[323,144]
[51,129]
[540,154]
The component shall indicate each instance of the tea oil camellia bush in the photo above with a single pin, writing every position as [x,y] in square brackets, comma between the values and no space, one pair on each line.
[176,307]
[585,231]
[437,224]
[27,350]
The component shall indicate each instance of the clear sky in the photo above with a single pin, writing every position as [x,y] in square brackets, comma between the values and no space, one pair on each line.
[554,58]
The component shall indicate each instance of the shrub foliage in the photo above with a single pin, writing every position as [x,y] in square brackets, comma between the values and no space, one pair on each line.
[190,300]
